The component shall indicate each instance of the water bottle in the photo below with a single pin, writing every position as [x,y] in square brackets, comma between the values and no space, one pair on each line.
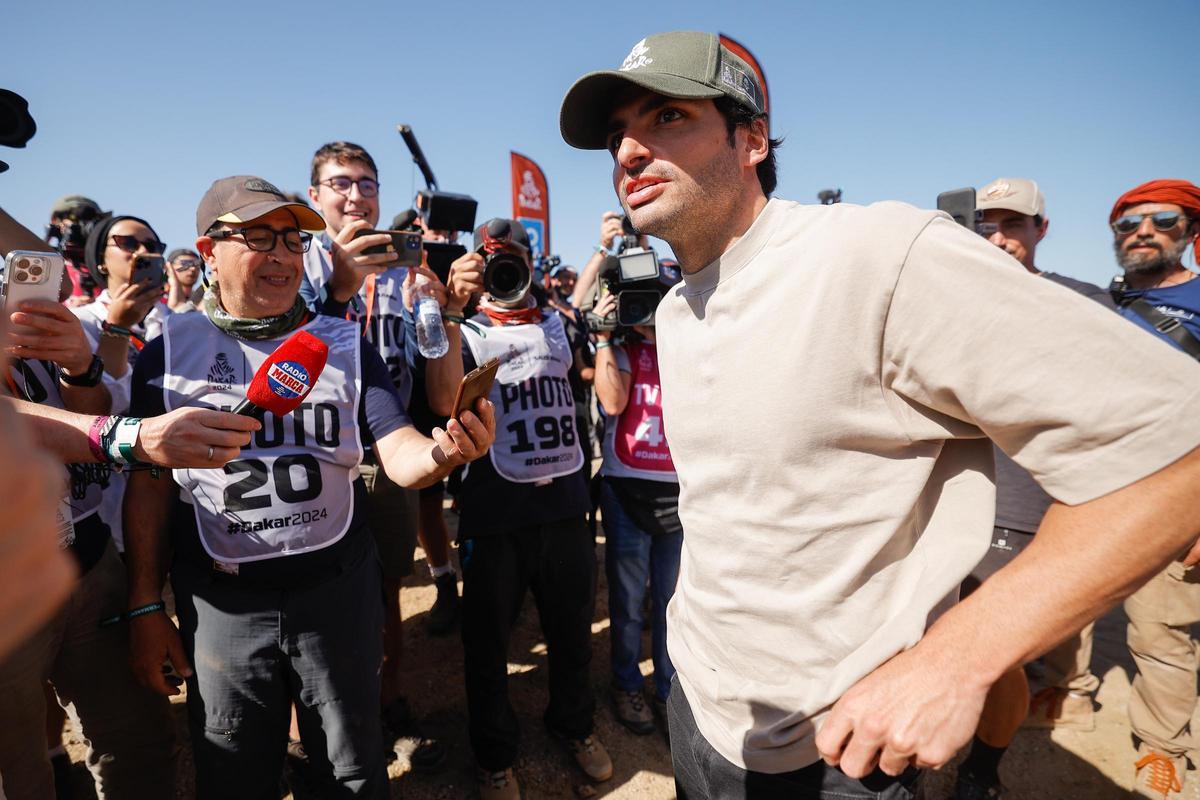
[431,333]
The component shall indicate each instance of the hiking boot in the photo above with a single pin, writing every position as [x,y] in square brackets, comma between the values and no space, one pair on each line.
[1159,776]
[499,785]
[444,613]
[426,754]
[591,757]
[970,787]
[1054,707]
[632,711]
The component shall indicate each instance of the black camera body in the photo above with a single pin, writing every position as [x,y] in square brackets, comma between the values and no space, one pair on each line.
[506,274]
[633,277]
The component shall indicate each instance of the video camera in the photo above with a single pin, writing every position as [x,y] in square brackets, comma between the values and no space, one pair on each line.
[71,224]
[506,274]
[16,124]
[633,276]
[960,204]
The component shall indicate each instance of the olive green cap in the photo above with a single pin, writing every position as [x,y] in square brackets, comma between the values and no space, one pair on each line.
[684,64]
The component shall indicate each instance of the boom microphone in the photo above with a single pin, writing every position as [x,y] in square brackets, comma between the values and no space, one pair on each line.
[286,377]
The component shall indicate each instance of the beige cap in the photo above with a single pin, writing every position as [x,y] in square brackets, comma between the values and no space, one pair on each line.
[1015,194]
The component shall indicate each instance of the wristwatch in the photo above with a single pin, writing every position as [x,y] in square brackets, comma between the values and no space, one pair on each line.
[91,377]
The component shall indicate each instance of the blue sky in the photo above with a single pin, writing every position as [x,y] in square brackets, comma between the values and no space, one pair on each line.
[142,107]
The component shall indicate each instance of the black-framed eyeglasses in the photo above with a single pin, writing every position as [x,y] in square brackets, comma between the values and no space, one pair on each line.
[262,238]
[1161,220]
[130,244]
[188,263]
[367,187]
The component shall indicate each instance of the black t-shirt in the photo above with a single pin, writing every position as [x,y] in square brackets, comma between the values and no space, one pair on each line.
[489,504]
[380,412]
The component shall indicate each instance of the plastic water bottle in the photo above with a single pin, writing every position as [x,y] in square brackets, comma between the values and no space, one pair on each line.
[431,333]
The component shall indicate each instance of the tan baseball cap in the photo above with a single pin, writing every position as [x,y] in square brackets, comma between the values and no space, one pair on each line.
[1014,194]
[242,198]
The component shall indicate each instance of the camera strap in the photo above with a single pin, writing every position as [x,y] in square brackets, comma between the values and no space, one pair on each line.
[1167,325]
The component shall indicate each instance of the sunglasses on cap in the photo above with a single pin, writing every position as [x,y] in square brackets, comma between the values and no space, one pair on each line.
[262,238]
[367,187]
[130,244]
[1161,220]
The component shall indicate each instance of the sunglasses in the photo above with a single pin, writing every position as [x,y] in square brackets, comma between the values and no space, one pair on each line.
[188,264]
[367,187]
[130,244]
[262,238]
[1161,220]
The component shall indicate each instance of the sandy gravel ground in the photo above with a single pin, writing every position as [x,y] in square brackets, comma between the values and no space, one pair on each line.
[1063,765]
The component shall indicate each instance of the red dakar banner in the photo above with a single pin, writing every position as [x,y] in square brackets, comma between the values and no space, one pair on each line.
[531,203]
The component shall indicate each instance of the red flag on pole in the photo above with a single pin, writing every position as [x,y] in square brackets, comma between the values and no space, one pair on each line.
[531,203]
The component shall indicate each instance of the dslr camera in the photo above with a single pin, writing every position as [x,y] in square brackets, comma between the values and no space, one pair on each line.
[633,276]
[504,246]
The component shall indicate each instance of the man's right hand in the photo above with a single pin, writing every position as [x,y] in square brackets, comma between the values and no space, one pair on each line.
[185,437]
[610,229]
[466,279]
[350,265]
[153,639]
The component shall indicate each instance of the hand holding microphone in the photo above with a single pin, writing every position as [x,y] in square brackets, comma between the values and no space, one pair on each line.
[286,377]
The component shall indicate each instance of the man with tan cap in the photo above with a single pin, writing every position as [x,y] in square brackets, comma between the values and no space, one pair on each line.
[824,531]
[276,579]
[1014,219]
[1153,225]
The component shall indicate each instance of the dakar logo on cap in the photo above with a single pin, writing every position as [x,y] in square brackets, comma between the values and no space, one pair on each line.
[259,185]
[288,379]
[638,57]
[529,196]
[997,190]
[740,82]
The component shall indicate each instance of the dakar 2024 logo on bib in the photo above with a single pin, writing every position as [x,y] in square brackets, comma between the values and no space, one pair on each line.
[221,374]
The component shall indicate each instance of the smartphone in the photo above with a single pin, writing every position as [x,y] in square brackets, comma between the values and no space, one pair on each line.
[406,244]
[440,255]
[31,275]
[475,384]
[149,268]
[960,204]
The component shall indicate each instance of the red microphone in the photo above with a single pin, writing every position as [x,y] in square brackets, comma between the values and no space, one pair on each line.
[286,377]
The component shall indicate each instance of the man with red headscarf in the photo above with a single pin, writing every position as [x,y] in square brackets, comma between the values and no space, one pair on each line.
[1153,225]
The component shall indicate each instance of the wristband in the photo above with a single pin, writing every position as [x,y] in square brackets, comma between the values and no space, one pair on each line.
[603,343]
[601,249]
[122,439]
[88,378]
[94,433]
[134,612]
[114,331]
[455,318]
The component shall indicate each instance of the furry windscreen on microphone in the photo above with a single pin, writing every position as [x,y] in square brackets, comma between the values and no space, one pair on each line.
[288,374]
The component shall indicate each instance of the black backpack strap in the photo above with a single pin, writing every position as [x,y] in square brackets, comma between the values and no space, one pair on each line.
[1167,325]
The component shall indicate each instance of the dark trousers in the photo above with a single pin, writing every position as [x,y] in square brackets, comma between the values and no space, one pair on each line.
[557,561]
[701,773]
[256,653]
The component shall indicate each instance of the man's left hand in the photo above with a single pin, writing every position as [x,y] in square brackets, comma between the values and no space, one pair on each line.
[467,438]
[916,709]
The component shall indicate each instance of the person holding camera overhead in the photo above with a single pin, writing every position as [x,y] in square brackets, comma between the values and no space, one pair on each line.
[639,504]
[522,522]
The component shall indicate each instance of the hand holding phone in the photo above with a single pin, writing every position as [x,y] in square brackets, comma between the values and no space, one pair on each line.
[475,384]
[406,245]
[30,275]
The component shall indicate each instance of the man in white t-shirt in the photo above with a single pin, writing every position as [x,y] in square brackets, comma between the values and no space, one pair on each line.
[834,494]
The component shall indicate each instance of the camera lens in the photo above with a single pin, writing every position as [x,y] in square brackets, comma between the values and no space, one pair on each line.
[36,269]
[23,263]
[506,277]
[22,276]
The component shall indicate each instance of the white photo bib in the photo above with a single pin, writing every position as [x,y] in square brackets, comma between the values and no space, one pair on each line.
[37,382]
[536,439]
[291,490]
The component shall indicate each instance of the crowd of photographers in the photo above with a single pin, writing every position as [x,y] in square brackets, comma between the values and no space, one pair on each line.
[283,642]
